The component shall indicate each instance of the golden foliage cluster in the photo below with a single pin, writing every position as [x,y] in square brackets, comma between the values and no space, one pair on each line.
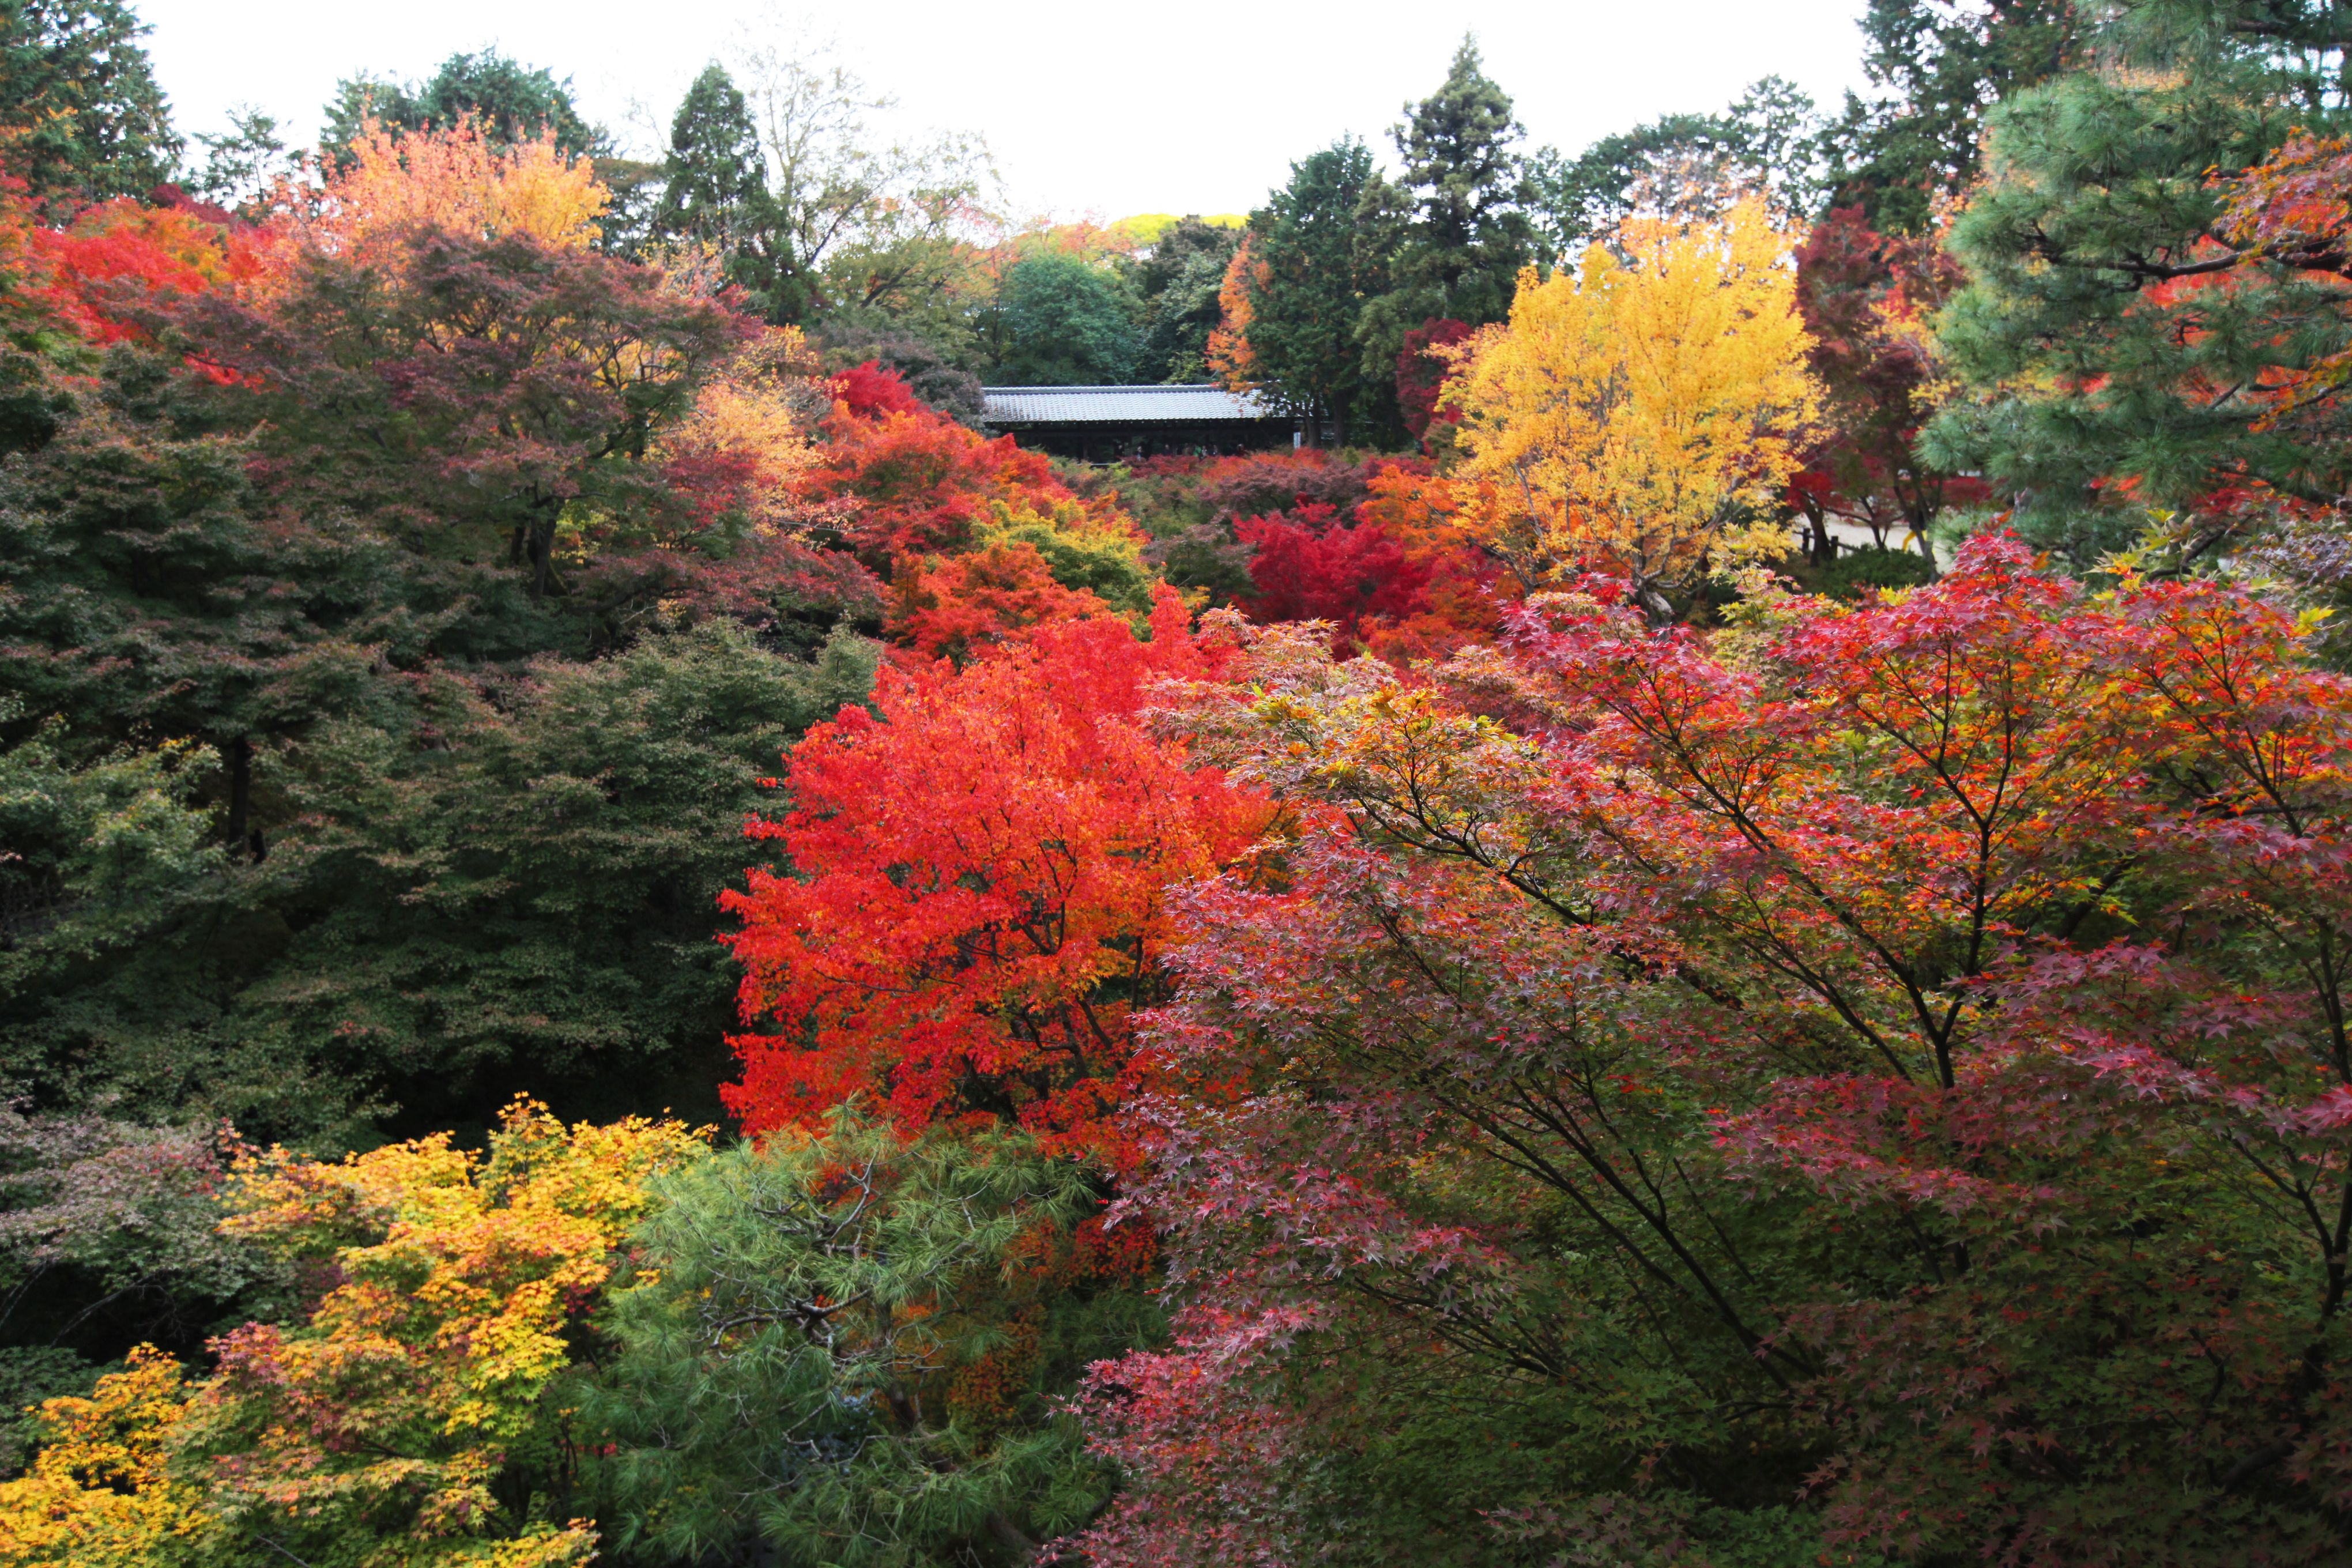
[391,1415]
[1634,414]
[455,180]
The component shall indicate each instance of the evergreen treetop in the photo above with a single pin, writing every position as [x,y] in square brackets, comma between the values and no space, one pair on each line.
[508,101]
[81,117]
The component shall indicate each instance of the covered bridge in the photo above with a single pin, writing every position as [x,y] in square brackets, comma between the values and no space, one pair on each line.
[1105,423]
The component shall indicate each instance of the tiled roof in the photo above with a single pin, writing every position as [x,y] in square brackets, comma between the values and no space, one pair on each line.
[1119,405]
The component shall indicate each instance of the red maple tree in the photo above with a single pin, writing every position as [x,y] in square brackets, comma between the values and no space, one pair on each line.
[977,899]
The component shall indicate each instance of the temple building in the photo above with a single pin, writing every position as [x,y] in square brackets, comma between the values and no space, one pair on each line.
[1106,424]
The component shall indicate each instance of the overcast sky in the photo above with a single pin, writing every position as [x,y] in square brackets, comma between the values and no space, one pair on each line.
[1091,109]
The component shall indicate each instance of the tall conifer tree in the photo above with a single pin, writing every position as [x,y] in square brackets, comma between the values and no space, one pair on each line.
[81,117]
[1461,211]
[714,181]
[1939,66]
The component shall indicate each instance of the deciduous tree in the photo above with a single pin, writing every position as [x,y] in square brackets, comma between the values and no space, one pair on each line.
[978,890]
[99,1494]
[481,394]
[1873,1084]
[1630,413]
[1868,300]
[406,1410]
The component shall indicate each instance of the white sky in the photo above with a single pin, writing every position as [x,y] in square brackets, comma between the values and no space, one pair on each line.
[1092,108]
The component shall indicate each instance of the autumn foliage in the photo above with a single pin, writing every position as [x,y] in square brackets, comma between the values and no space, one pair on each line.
[1290,1008]
[977,893]
[913,482]
[99,1494]
[1918,1015]
[452,1282]
[1422,370]
[1867,299]
[455,180]
[1639,416]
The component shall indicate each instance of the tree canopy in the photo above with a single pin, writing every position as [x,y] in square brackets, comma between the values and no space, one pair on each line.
[1691,915]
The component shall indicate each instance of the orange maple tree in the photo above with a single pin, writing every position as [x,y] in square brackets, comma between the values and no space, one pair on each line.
[912,483]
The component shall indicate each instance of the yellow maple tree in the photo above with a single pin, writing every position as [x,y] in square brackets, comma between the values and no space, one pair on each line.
[98,1494]
[748,438]
[1635,416]
[403,1418]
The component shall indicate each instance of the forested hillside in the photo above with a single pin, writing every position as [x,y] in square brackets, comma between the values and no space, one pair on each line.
[1712,929]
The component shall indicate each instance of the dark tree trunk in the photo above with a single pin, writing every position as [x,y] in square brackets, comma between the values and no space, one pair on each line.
[244,840]
[240,785]
[542,550]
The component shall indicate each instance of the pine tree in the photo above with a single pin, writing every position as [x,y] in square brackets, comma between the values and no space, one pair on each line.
[1938,67]
[1317,275]
[81,117]
[847,1347]
[2119,335]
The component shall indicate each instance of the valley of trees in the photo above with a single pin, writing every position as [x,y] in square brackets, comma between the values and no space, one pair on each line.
[1717,934]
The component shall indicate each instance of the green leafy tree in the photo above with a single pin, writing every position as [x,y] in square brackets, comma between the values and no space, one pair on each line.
[257,824]
[845,1349]
[149,597]
[1937,68]
[1066,323]
[1179,279]
[485,894]
[1318,274]
[514,888]
[242,163]
[109,1236]
[1767,140]
[81,117]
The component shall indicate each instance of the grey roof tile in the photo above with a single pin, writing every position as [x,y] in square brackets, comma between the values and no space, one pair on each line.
[1119,405]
